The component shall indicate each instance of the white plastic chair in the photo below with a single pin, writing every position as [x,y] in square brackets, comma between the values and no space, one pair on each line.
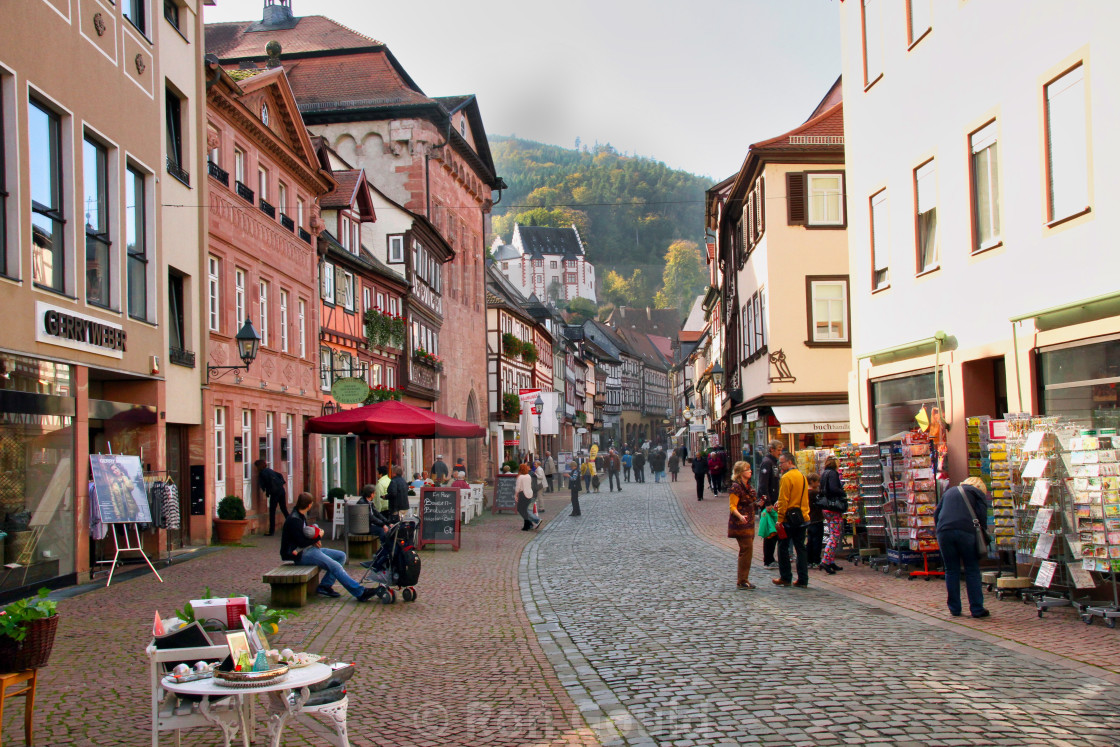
[466,505]
[476,497]
[338,517]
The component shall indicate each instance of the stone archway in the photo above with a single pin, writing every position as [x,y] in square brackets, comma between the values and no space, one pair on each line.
[476,466]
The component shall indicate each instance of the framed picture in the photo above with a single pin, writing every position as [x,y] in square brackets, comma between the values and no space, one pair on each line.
[238,645]
[118,481]
[255,634]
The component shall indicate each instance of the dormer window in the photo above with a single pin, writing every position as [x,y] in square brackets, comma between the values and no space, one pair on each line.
[264,114]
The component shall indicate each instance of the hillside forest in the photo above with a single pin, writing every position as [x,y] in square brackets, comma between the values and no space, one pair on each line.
[639,220]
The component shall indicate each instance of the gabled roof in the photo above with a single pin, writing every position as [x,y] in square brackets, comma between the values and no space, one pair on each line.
[664,322]
[825,130]
[305,34]
[539,241]
[645,348]
[834,96]
[505,252]
[352,189]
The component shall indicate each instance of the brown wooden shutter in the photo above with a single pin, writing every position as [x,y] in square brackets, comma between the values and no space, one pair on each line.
[759,207]
[339,286]
[795,198]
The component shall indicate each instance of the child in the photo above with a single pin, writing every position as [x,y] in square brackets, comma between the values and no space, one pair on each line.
[814,529]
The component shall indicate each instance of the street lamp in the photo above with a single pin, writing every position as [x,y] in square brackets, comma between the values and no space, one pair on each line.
[248,342]
[717,375]
[539,404]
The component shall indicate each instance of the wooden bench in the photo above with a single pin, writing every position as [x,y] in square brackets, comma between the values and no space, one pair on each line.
[291,584]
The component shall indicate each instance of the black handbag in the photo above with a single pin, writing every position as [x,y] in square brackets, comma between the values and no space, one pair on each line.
[794,517]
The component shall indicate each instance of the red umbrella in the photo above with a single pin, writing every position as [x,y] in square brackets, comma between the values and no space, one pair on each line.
[392,419]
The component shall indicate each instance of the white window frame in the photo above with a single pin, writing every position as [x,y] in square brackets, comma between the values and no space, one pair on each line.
[1067,145]
[366,293]
[214,283]
[299,212]
[880,240]
[239,165]
[264,313]
[393,306]
[326,368]
[871,21]
[396,249]
[390,377]
[326,282]
[289,427]
[984,148]
[282,198]
[302,328]
[283,320]
[925,202]
[381,302]
[268,427]
[246,460]
[239,296]
[262,183]
[348,301]
[834,306]
[828,194]
[219,455]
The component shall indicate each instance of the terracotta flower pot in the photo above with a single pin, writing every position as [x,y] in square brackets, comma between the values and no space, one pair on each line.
[230,531]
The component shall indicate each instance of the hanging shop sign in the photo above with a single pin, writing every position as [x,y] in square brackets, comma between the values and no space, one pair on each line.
[752,416]
[55,325]
[349,390]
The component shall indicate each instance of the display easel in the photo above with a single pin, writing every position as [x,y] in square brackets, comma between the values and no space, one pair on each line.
[120,530]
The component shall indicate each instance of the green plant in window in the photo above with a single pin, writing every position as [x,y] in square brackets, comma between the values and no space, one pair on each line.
[511,346]
[529,353]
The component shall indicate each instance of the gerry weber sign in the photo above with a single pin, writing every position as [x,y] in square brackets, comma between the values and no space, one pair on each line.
[59,326]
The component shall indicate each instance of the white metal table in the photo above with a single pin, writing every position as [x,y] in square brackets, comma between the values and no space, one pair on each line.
[285,700]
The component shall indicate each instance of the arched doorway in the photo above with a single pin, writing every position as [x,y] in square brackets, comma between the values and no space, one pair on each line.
[476,467]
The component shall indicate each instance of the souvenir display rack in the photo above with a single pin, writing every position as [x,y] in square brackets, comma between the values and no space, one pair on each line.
[872,496]
[847,457]
[1094,469]
[893,508]
[921,502]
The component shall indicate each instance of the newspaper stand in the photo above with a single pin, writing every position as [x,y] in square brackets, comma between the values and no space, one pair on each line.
[1093,462]
[872,496]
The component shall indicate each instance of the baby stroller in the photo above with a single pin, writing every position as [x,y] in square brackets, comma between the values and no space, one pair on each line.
[396,564]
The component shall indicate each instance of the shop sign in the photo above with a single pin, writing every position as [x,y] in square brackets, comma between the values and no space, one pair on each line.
[816,427]
[697,428]
[736,419]
[997,430]
[512,442]
[752,416]
[349,390]
[55,325]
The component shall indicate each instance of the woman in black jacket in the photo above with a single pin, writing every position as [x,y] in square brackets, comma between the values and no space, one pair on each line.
[700,472]
[832,492]
[956,536]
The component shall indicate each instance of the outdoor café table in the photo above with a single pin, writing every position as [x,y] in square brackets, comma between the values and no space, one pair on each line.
[285,699]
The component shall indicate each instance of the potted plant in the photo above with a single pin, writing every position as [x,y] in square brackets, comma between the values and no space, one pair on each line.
[27,629]
[511,406]
[231,522]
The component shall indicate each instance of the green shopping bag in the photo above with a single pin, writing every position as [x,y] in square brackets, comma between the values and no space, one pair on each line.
[767,524]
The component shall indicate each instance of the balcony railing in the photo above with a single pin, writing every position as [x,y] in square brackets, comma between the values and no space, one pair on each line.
[177,171]
[287,223]
[305,235]
[217,172]
[244,192]
[181,357]
[267,209]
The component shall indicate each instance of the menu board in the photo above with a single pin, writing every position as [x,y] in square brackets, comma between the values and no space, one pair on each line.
[505,493]
[439,517]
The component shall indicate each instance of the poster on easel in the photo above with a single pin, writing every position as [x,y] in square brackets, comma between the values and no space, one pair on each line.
[122,496]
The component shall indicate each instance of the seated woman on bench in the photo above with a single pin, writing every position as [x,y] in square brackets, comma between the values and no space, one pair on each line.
[302,543]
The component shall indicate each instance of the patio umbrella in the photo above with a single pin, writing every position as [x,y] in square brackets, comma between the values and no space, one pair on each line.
[392,419]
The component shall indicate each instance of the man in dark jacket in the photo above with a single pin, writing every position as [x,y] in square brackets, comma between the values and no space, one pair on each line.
[397,493]
[302,543]
[700,472]
[271,483]
[639,466]
[769,479]
[439,470]
[614,466]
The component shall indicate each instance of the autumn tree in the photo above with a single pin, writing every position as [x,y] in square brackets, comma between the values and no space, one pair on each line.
[582,309]
[683,278]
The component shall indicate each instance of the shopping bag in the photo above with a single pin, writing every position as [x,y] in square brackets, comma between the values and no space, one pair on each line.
[767,524]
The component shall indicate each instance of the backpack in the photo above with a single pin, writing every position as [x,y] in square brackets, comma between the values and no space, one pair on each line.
[408,567]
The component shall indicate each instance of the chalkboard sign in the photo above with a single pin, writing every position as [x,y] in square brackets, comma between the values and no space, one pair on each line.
[439,517]
[198,489]
[505,493]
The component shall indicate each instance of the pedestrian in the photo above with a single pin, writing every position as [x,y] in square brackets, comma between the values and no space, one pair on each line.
[657,464]
[549,469]
[271,483]
[614,466]
[302,544]
[740,523]
[460,480]
[814,528]
[700,472]
[716,466]
[587,469]
[539,481]
[639,467]
[961,513]
[627,462]
[524,492]
[397,494]
[573,485]
[834,502]
[381,490]
[674,464]
[439,470]
[769,479]
[792,508]
[460,466]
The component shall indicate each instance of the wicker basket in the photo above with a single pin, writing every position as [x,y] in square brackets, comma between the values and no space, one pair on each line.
[34,650]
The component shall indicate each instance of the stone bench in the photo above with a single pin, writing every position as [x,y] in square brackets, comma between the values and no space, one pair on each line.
[292,584]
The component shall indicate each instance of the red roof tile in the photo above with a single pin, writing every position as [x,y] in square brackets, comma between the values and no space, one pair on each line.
[243,39]
[343,196]
[824,130]
[362,80]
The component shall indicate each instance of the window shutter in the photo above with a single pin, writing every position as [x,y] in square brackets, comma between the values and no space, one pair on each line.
[339,286]
[324,281]
[759,201]
[795,198]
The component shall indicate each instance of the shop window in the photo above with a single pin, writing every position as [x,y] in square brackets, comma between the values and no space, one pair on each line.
[239,297]
[44,134]
[871,17]
[880,242]
[1067,145]
[925,198]
[214,289]
[136,236]
[1081,382]
[894,401]
[918,19]
[985,187]
[95,165]
[827,301]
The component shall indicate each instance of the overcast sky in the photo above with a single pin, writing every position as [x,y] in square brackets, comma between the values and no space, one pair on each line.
[688,82]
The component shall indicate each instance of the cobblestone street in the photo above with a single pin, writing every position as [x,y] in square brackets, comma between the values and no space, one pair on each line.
[647,631]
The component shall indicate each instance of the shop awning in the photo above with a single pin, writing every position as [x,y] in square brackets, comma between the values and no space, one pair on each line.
[812,418]
[680,431]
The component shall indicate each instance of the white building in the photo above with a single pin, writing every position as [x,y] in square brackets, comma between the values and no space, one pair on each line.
[549,263]
[979,164]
